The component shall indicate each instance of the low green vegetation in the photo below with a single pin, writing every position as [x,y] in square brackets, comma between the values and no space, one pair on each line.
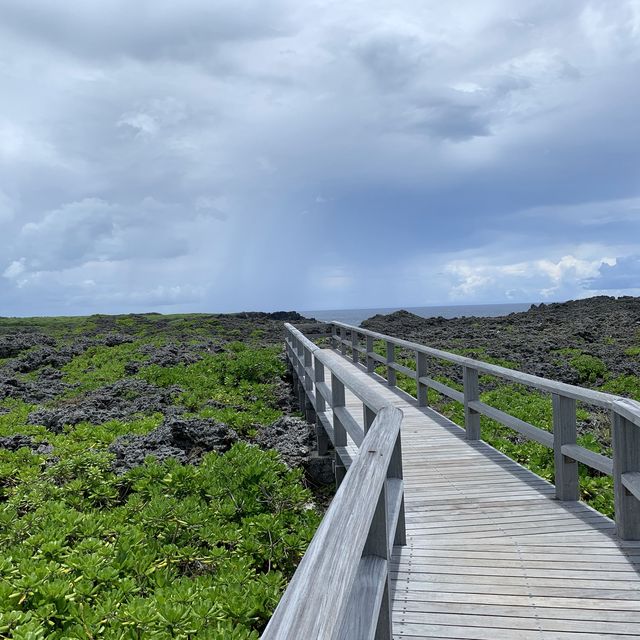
[164,550]
[240,379]
[100,365]
[588,367]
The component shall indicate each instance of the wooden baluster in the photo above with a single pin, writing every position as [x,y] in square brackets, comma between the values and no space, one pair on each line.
[334,336]
[395,472]
[308,385]
[369,415]
[321,434]
[626,459]
[339,432]
[471,393]
[421,372]
[377,544]
[371,363]
[564,432]
[343,339]
[355,356]
[391,356]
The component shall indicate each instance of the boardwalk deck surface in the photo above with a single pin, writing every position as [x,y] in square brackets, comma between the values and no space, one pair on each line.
[491,554]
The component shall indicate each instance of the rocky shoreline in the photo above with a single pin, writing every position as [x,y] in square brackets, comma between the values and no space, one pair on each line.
[547,340]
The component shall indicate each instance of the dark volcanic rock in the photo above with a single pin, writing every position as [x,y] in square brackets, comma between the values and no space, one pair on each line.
[602,327]
[169,355]
[122,400]
[18,441]
[292,438]
[114,339]
[30,391]
[43,356]
[183,440]
[13,344]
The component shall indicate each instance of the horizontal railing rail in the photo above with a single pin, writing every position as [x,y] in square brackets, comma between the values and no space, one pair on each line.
[625,415]
[341,588]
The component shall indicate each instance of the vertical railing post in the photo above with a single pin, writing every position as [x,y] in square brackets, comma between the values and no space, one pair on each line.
[369,415]
[321,407]
[421,372]
[377,544]
[308,385]
[343,341]
[391,372]
[354,346]
[564,432]
[334,336]
[471,393]
[339,432]
[395,472]
[626,459]
[371,363]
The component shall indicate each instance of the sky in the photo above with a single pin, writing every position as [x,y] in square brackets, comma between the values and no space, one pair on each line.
[276,154]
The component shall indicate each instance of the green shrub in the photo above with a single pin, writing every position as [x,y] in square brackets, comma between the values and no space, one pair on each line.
[165,551]
[589,368]
[628,386]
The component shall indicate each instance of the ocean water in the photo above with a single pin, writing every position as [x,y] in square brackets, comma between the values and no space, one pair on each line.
[356,316]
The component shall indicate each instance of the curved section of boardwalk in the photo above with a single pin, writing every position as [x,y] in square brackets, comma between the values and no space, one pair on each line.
[490,553]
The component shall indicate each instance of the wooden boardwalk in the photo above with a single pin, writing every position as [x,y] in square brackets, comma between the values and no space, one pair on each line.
[490,553]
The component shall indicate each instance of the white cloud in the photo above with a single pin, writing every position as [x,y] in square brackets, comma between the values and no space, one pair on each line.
[15,269]
[533,279]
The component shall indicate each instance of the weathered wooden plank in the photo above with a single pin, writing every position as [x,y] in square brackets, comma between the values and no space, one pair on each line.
[445,390]
[530,431]
[567,608]
[631,480]
[350,424]
[511,622]
[590,458]
[400,368]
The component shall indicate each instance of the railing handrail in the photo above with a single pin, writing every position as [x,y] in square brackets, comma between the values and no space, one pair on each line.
[340,589]
[318,596]
[625,413]
[596,398]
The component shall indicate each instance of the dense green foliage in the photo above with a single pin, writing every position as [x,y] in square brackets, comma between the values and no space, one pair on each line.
[165,550]
[241,378]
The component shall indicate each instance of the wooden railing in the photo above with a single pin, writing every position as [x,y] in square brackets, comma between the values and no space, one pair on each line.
[625,416]
[341,588]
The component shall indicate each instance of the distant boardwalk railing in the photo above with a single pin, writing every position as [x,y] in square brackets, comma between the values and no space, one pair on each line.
[625,416]
[341,588]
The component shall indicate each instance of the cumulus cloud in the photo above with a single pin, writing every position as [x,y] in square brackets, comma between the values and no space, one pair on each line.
[534,279]
[622,274]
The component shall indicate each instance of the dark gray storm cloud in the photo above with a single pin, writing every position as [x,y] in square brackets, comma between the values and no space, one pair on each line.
[180,155]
